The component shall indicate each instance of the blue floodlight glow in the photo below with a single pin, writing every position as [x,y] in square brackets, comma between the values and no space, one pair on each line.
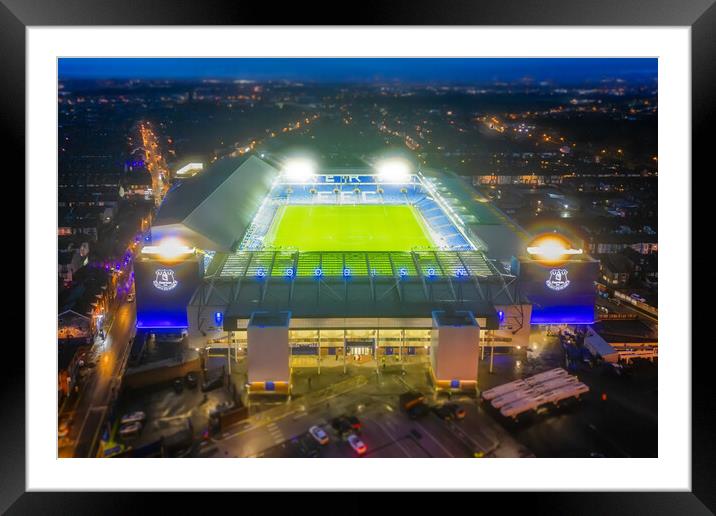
[260,272]
[460,272]
[431,272]
[346,272]
[403,272]
[218,318]
[501,315]
[289,272]
[317,272]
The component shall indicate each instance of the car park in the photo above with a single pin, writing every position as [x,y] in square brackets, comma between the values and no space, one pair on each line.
[319,435]
[358,446]
[133,417]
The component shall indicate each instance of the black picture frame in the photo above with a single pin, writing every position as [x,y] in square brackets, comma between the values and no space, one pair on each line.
[700,15]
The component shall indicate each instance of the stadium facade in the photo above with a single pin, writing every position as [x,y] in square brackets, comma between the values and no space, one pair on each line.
[272,267]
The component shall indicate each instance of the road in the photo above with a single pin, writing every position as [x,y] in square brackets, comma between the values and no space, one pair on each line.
[89,412]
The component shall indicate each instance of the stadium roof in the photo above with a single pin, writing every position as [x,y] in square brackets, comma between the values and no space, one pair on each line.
[501,236]
[213,209]
[245,282]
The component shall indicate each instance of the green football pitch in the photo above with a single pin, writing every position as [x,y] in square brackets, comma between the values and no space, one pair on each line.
[347,228]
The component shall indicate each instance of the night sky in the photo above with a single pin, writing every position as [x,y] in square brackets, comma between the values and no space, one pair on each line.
[337,70]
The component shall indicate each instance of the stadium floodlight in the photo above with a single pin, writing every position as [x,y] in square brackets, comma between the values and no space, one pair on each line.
[299,169]
[551,248]
[168,249]
[393,170]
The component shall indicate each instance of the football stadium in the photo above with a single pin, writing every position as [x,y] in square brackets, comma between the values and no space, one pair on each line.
[303,265]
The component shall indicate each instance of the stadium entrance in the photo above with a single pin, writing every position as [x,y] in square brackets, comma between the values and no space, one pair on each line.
[360,348]
[360,351]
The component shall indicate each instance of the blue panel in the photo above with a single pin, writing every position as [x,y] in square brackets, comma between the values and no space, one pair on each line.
[163,291]
[454,384]
[563,294]
[270,386]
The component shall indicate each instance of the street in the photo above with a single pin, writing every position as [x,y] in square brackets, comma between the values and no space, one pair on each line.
[90,409]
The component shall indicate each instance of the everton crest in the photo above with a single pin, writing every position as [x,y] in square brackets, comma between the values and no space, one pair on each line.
[164,279]
[557,279]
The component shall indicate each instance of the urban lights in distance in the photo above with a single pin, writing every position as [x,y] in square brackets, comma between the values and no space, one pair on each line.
[299,169]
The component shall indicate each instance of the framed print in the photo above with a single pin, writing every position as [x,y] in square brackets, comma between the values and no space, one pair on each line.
[415,256]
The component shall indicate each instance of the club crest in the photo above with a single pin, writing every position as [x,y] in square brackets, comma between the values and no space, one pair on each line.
[164,279]
[557,279]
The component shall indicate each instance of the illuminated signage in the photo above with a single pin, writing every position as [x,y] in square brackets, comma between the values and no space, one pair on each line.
[557,279]
[164,279]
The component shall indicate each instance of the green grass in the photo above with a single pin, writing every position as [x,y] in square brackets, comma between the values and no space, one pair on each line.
[348,228]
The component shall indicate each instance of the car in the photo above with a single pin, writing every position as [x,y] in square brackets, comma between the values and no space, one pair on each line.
[354,422]
[133,417]
[222,407]
[358,446]
[443,412]
[130,430]
[457,411]
[212,383]
[191,380]
[637,297]
[418,411]
[178,385]
[319,434]
[63,427]
[341,425]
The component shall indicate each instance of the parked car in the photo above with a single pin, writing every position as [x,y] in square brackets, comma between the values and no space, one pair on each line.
[213,382]
[133,417]
[191,380]
[418,411]
[358,446]
[224,406]
[130,430]
[457,411]
[346,424]
[443,412]
[319,434]
[178,385]
[63,427]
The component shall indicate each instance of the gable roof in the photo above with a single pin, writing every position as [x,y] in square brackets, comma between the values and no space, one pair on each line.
[212,210]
